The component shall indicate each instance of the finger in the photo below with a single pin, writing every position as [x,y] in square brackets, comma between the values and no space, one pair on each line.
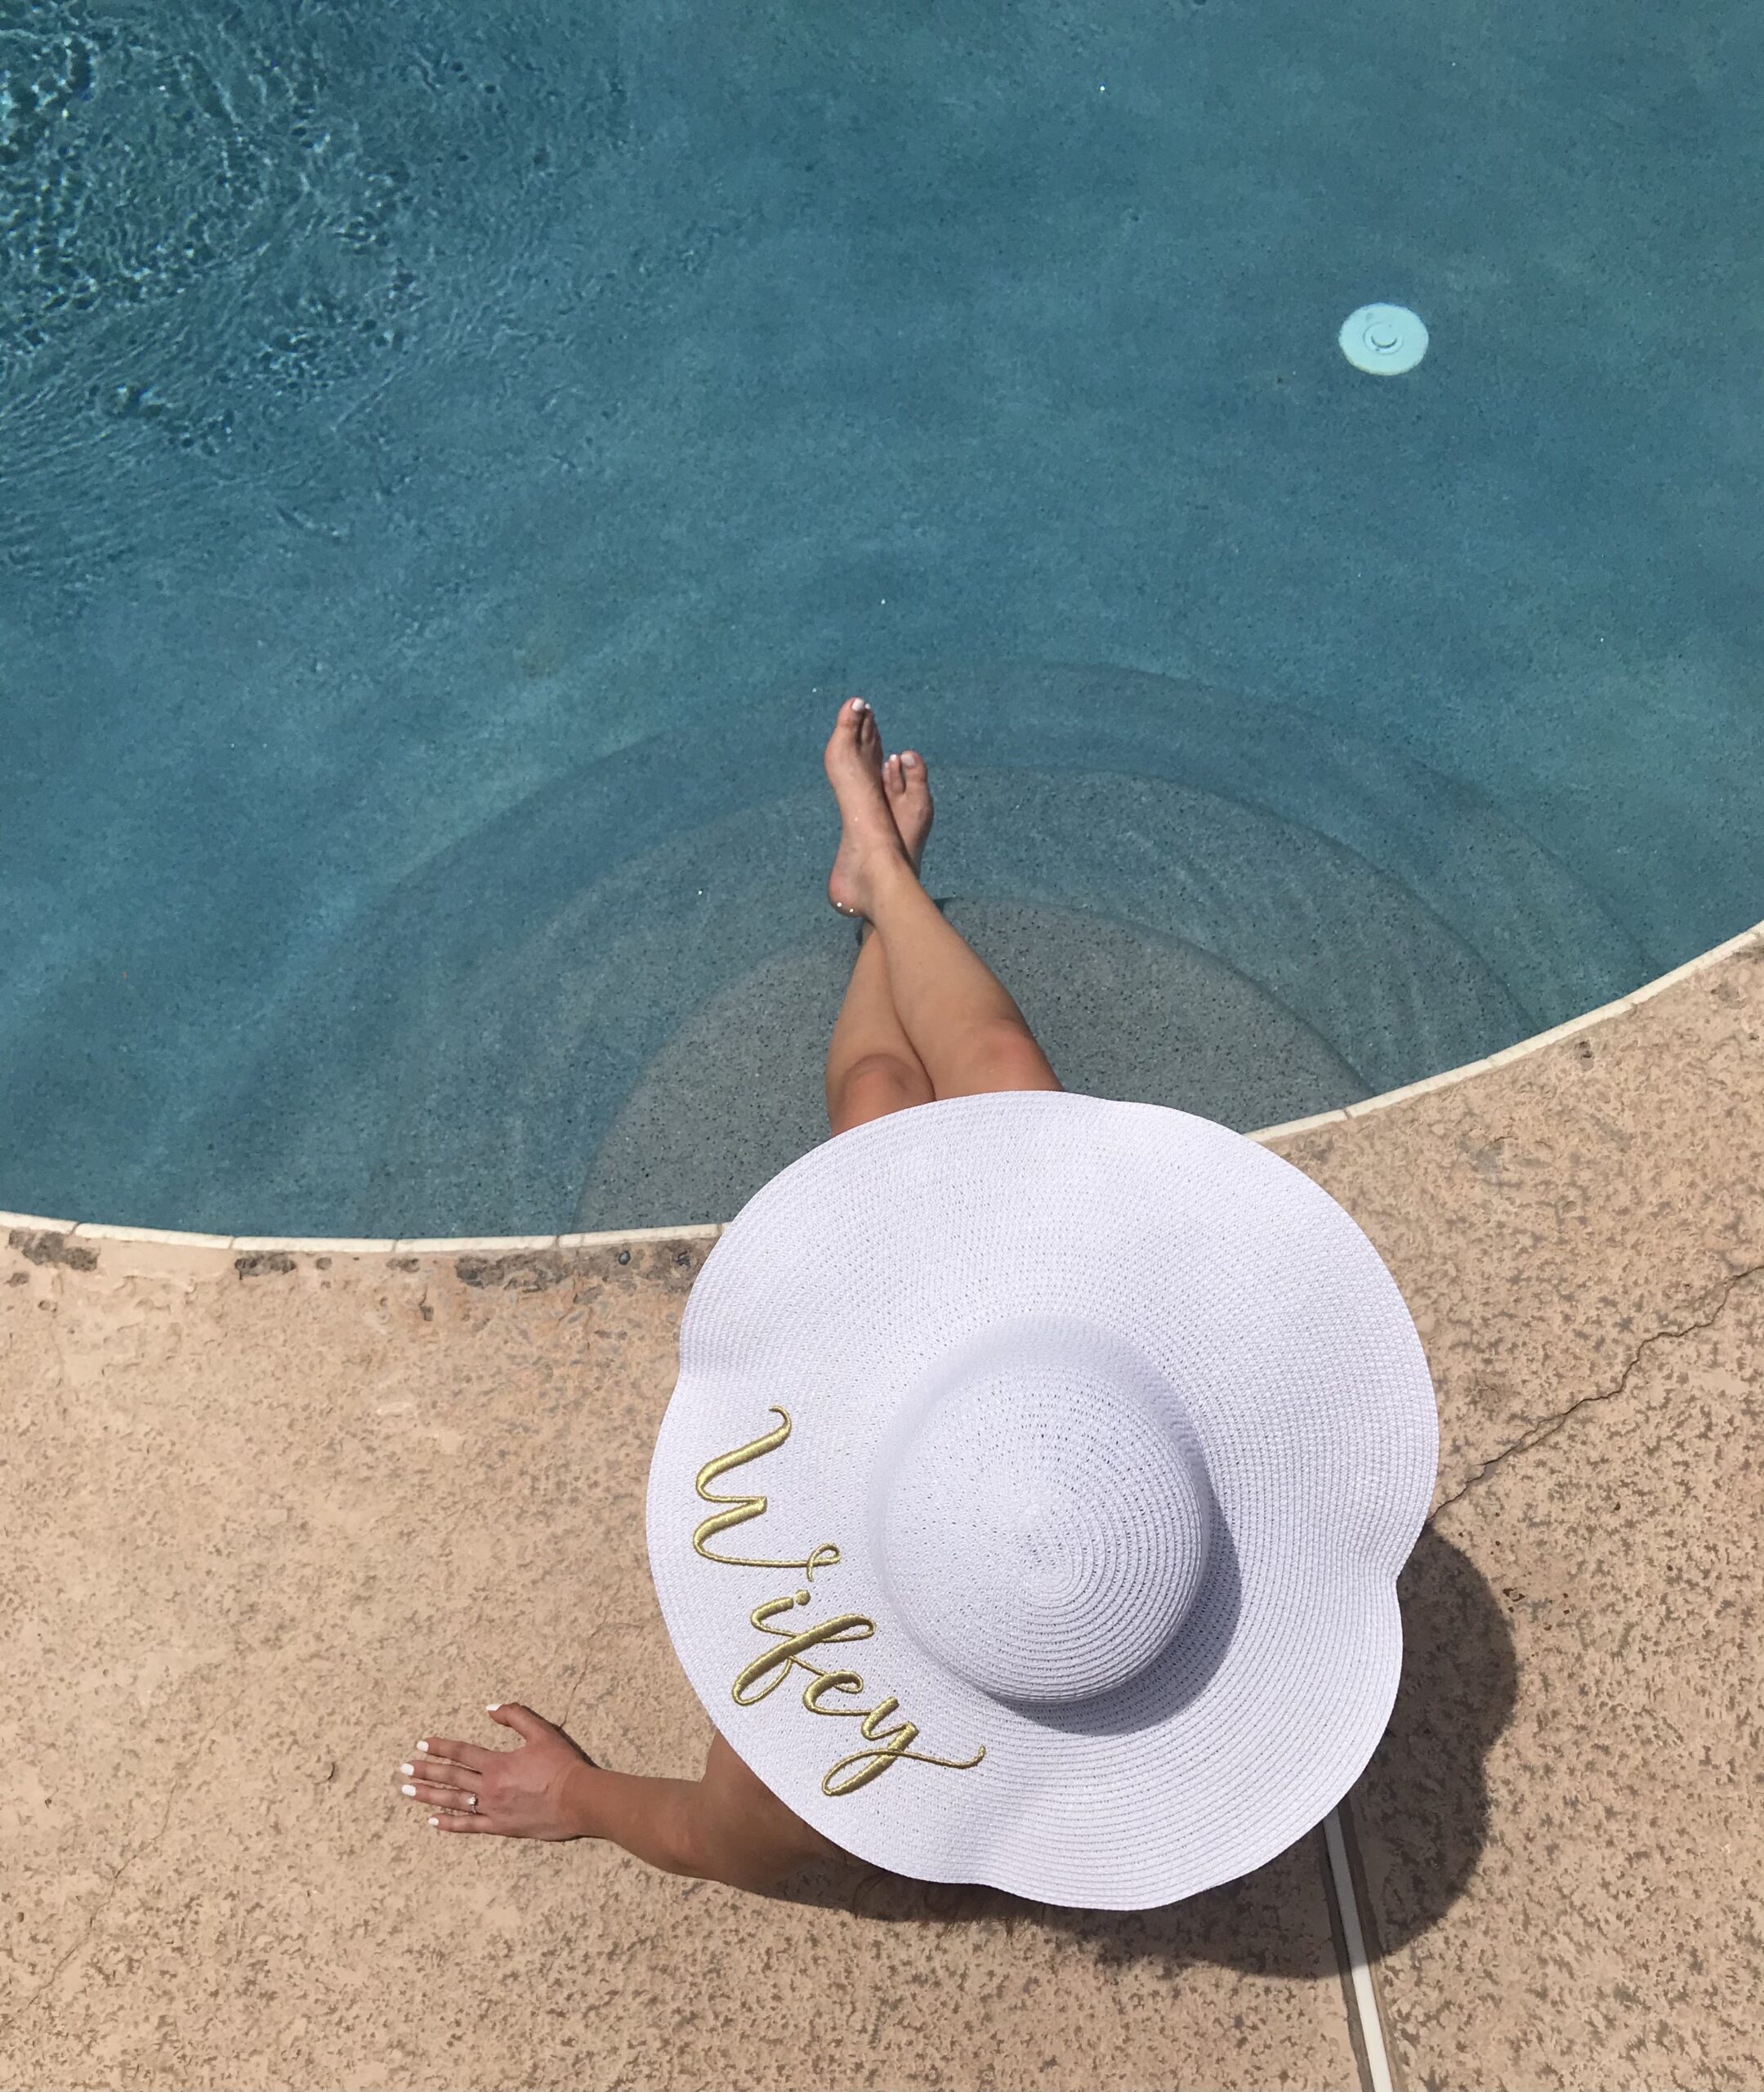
[443,1750]
[440,1794]
[458,1820]
[448,1779]
[529,1726]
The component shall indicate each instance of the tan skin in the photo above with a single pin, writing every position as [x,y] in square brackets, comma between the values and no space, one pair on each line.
[923,1017]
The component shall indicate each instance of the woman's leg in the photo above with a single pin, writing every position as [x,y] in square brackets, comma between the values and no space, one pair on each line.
[871,1066]
[963,1022]
[956,1014]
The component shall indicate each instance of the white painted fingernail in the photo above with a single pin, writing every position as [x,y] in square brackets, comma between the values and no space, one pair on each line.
[407,1768]
[409,1790]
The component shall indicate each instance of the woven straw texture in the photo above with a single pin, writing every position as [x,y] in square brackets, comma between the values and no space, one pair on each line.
[1108,1432]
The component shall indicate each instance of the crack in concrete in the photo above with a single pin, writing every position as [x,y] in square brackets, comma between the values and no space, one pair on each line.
[569,1697]
[1541,1433]
[117,1873]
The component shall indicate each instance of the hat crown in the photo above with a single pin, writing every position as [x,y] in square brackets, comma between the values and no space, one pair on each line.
[1043,1516]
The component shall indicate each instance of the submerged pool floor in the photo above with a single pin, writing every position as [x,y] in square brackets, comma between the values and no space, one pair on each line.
[454,462]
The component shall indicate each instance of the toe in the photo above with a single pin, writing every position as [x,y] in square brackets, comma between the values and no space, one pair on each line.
[847,738]
[894,777]
[854,754]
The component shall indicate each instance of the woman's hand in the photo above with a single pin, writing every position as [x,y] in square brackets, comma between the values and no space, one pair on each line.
[525,1793]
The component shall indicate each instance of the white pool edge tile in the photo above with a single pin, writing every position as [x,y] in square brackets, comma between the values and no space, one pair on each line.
[697,1230]
[93,1231]
[450,1245]
[301,1246]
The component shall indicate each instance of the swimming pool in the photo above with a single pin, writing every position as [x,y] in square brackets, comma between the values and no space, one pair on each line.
[455,460]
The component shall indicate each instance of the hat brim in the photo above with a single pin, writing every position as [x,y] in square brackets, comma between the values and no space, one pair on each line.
[844,1281]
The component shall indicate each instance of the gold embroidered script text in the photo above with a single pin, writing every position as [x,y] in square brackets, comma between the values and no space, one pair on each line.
[771,1667]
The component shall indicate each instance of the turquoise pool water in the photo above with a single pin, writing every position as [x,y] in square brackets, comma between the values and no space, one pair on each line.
[454,460]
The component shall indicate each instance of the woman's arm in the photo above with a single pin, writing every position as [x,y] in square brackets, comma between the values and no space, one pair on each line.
[725,1826]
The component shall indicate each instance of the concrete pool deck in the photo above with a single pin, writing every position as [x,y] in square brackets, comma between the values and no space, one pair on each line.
[279,1509]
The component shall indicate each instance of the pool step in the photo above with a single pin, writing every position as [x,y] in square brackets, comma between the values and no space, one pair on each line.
[737,1092]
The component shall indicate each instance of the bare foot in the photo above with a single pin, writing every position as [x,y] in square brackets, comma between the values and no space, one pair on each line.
[870,842]
[907,787]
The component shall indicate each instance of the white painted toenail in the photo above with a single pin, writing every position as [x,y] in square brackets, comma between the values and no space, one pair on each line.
[423,1744]
[409,1790]
[407,1768]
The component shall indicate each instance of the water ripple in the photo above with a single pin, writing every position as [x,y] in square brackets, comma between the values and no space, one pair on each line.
[210,218]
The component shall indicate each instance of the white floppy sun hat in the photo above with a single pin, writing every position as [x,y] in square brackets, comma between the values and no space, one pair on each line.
[1030,1505]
